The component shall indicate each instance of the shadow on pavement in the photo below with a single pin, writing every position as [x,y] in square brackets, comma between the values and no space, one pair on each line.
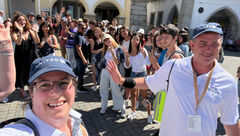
[111,124]
[231,53]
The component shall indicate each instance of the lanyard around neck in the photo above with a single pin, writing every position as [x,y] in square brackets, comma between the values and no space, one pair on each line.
[205,88]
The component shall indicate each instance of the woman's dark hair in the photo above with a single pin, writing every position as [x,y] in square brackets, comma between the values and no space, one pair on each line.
[122,38]
[184,38]
[89,34]
[130,43]
[116,36]
[146,36]
[154,43]
[41,33]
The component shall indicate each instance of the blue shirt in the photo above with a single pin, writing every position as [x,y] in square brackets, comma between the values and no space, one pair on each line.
[161,57]
[70,39]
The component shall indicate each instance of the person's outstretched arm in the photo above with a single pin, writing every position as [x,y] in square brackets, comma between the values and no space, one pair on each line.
[7,65]
[126,82]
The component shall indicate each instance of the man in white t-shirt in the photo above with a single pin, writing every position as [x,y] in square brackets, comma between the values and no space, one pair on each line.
[199,88]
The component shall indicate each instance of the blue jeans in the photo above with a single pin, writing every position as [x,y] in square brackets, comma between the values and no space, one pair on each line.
[117,95]
[138,74]
[81,67]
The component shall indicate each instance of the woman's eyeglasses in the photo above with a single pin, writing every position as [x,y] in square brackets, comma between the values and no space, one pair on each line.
[46,85]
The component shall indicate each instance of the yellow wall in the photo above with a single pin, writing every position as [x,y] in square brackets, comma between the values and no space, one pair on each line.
[127,12]
[6,8]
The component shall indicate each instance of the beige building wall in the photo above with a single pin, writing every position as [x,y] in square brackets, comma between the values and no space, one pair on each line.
[124,11]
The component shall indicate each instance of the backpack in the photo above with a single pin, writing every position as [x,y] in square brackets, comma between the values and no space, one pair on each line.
[27,122]
[23,121]
[178,52]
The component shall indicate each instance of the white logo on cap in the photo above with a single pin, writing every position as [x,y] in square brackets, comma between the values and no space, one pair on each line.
[50,60]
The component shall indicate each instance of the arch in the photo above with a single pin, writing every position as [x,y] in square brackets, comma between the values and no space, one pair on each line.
[173,14]
[83,2]
[121,13]
[230,25]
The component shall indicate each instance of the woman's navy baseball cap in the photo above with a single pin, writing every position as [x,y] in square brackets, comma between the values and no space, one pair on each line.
[48,64]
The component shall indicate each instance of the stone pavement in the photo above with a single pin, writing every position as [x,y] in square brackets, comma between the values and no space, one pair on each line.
[111,124]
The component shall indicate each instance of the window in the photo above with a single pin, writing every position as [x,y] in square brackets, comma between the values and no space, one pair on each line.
[70,9]
[159,18]
[152,18]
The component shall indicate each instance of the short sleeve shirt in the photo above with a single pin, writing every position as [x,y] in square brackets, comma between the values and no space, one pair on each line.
[43,128]
[221,97]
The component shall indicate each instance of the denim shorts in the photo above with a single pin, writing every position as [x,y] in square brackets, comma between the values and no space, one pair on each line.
[138,74]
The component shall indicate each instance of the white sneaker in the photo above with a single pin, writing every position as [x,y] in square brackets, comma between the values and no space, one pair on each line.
[131,116]
[5,100]
[102,111]
[123,113]
[137,104]
[87,70]
[149,119]
[95,88]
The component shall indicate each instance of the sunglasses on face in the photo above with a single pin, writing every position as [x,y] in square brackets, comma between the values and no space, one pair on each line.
[47,85]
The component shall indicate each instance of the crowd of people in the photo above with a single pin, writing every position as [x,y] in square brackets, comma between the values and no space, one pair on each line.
[135,66]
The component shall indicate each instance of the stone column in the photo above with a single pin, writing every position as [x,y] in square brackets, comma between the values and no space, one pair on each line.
[121,20]
[90,16]
[185,17]
[37,7]
[139,13]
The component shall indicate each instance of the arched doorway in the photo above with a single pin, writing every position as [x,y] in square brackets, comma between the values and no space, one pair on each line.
[173,16]
[75,8]
[106,11]
[228,22]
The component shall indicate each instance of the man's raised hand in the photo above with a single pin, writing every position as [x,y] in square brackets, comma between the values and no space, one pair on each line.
[113,70]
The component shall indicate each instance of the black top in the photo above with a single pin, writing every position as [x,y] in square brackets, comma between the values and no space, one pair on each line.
[79,40]
[24,55]
[46,49]
[97,45]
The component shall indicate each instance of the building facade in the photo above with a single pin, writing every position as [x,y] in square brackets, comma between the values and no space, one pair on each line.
[190,13]
[143,13]
[92,9]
